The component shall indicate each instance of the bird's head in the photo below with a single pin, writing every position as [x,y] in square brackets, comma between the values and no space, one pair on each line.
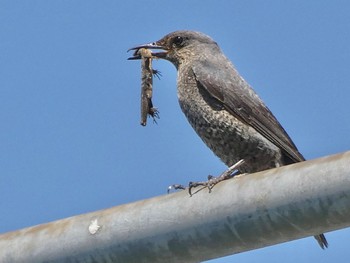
[179,46]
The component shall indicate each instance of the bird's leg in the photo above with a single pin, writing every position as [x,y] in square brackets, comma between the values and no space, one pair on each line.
[212,180]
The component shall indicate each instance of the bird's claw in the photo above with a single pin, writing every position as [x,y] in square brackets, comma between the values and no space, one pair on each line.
[176,187]
[156,73]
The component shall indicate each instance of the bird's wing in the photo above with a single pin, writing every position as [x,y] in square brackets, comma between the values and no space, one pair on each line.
[224,83]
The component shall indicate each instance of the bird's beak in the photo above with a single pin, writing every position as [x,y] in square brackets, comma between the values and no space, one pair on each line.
[153,45]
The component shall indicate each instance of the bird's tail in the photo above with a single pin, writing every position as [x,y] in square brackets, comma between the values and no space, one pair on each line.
[322,241]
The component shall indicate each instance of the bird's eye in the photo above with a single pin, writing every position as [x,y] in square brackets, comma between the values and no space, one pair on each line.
[178,41]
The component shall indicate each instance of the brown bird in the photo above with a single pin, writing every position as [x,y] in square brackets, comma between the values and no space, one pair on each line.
[223,109]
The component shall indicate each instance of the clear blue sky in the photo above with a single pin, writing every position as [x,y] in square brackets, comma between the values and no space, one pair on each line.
[70,139]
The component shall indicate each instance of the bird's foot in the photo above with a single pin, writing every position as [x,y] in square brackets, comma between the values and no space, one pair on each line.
[212,180]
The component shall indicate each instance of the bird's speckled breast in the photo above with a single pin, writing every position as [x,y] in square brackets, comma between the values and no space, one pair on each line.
[229,138]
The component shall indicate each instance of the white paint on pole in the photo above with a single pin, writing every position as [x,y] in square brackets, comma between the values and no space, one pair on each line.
[94,227]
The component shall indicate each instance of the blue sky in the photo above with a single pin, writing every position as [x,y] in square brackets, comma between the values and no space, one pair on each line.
[70,139]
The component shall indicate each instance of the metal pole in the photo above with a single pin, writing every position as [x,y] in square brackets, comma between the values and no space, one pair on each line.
[244,213]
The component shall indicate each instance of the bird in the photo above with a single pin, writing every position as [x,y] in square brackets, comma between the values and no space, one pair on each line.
[222,108]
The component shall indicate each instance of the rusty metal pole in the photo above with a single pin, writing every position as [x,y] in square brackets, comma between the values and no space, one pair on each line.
[241,214]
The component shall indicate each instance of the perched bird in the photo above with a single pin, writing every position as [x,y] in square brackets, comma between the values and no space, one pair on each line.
[223,109]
